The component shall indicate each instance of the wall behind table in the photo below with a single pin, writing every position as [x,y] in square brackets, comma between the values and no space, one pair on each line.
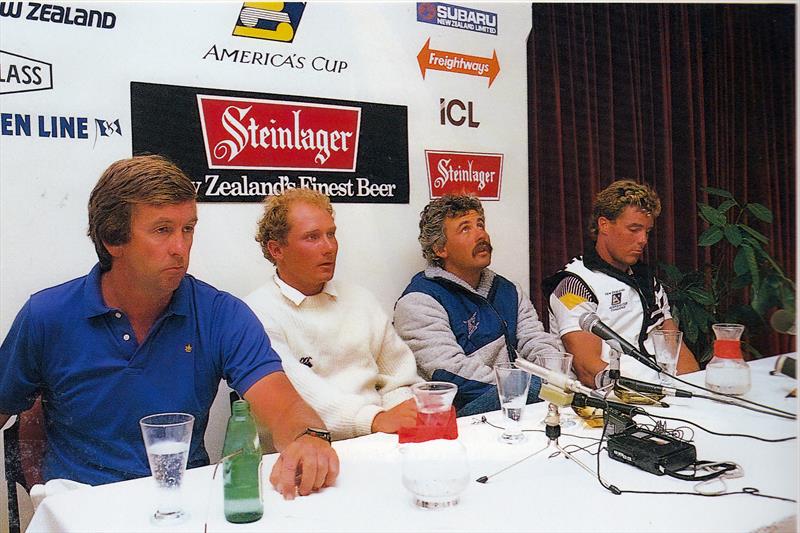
[45,182]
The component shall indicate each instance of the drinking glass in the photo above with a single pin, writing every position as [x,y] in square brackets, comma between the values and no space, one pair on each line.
[512,389]
[667,344]
[560,362]
[166,438]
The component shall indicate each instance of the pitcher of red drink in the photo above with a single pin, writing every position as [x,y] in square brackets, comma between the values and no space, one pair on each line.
[434,461]
[728,372]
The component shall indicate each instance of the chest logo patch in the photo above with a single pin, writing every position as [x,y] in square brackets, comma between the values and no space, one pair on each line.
[472,324]
[616,301]
[306,361]
[187,348]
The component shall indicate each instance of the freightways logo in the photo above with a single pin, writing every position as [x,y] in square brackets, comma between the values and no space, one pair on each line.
[278,135]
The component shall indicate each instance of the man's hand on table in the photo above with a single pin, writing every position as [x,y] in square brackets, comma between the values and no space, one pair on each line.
[305,466]
[400,416]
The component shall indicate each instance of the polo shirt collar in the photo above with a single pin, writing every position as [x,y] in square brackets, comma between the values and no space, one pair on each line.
[297,297]
[179,304]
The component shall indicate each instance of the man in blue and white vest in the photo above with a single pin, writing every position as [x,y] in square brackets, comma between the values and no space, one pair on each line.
[609,280]
[460,318]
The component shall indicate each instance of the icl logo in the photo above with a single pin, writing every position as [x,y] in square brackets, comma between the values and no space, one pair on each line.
[456,118]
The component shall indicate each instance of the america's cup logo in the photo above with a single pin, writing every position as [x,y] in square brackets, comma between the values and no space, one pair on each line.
[249,133]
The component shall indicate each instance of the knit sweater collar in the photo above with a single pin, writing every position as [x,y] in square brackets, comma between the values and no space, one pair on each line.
[297,297]
[484,285]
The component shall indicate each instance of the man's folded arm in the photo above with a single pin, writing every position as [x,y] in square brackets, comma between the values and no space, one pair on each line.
[532,338]
[397,367]
[424,325]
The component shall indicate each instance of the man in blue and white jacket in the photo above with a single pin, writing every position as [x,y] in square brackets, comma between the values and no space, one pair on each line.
[460,318]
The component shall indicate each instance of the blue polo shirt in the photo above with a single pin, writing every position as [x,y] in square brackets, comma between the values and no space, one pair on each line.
[97,381]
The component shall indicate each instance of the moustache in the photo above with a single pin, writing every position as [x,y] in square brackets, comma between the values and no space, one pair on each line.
[483,246]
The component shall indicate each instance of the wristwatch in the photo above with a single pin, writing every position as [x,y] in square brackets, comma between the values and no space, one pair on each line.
[323,434]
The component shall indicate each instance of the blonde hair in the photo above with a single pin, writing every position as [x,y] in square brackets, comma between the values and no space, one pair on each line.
[611,201]
[274,223]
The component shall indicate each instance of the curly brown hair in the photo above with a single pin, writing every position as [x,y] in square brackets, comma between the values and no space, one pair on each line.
[431,222]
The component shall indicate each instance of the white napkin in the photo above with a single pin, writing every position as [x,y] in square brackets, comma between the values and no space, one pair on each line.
[55,486]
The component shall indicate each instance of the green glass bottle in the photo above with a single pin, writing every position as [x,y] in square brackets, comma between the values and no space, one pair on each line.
[241,466]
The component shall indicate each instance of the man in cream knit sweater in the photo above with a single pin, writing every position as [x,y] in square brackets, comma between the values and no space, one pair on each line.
[338,346]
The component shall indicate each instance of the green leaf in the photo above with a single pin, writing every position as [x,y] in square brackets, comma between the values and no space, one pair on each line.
[717,192]
[752,266]
[727,204]
[740,261]
[760,211]
[672,272]
[756,235]
[712,216]
[710,236]
[733,234]
[765,298]
[691,330]
[700,296]
[741,281]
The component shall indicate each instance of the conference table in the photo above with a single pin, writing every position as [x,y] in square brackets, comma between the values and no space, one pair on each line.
[541,493]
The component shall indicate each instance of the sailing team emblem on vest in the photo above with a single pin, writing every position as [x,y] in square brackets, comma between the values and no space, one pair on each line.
[616,301]
[472,324]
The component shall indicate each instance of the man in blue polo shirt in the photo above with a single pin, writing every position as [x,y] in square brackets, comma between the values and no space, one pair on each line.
[138,336]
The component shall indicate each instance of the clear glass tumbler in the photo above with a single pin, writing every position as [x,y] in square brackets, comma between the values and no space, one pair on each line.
[512,389]
[167,437]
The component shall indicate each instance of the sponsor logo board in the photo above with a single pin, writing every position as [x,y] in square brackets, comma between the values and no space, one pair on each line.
[275,60]
[455,112]
[453,16]
[241,146]
[432,59]
[272,21]
[58,127]
[464,172]
[19,74]
[58,14]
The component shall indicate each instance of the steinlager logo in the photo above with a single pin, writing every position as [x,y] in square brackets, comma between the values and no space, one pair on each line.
[278,135]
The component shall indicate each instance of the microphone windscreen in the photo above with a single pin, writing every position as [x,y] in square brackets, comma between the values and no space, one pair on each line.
[783,321]
[587,320]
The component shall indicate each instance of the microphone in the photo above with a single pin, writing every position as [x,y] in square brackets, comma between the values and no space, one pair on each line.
[591,322]
[557,379]
[785,365]
[652,388]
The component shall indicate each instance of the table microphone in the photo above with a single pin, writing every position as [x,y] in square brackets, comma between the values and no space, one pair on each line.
[591,323]
[652,388]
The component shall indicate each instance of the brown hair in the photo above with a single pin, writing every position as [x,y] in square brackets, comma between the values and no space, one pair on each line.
[144,179]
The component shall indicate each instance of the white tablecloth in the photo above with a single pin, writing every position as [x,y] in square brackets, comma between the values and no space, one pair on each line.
[540,494]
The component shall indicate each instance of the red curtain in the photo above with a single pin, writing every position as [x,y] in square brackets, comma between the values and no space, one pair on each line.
[676,96]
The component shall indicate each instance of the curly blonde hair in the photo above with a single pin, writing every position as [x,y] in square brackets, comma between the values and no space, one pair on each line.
[274,223]
[611,201]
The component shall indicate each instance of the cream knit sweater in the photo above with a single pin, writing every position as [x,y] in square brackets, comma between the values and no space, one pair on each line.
[339,350]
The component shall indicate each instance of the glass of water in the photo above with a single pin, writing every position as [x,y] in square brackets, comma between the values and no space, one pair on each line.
[667,344]
[512,388]
[166,438]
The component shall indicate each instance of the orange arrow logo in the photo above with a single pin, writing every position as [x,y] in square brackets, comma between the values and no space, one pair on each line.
[485,67]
